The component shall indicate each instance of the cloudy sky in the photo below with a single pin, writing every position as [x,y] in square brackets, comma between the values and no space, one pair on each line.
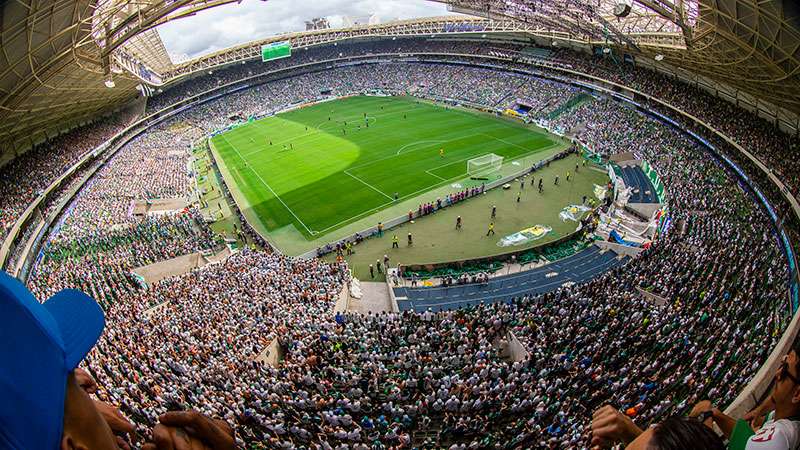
[224,26]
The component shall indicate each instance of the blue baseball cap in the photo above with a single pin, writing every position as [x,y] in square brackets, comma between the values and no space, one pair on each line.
[40,344]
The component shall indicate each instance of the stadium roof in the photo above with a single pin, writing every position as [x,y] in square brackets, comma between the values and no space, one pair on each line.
[751,45]
[57,55]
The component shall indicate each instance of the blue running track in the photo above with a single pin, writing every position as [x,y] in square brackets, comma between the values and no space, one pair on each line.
[578,268]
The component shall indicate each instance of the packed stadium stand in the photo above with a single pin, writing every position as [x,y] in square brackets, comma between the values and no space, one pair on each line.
[702,304]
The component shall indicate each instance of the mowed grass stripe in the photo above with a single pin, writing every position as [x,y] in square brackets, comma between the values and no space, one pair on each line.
[257,175]
[320,173]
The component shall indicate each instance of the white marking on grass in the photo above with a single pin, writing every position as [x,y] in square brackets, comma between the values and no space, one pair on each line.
[507,142]
[355,118]
[268,187]
[301,139]
[399,200]
[434,175]
[458,161]
[368,163]
[407,196]
[432,141]
[369,185]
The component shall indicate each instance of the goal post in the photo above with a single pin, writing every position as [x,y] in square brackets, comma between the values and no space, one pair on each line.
[484,165]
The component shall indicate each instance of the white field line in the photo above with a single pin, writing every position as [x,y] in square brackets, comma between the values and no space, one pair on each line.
[431,141]
[294,139]
[399,200]
[413,194]
[355,118]
[457,161]
[317,130]
[506,142]
[340,123]
[369,163]
[270,189]
[434,175]
[369,185]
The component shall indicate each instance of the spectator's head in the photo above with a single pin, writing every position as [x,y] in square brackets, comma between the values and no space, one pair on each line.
[43,407]
[786,393]
[678,433]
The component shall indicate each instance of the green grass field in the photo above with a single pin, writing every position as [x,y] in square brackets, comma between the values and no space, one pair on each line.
[325,168]
[436,240]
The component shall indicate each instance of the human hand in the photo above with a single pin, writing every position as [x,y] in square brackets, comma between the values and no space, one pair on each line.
[114,418]
[754,418]
[191,430]
[610,426]
[85,380]
[116,421]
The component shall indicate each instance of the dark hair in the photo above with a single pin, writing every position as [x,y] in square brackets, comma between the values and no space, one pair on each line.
[681,433]
[796,349]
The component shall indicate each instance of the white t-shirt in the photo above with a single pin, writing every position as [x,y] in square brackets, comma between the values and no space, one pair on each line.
[780,434]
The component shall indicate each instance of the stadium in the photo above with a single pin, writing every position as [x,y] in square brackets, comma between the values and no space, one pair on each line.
[547,224]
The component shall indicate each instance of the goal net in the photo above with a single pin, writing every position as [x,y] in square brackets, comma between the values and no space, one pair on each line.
[484,165]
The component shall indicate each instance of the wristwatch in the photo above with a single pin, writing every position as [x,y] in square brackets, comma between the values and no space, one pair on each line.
[705,415]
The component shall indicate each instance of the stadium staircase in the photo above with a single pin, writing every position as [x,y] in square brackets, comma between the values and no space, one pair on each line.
[573,102]
[536,52]
[510,94]
[138,108]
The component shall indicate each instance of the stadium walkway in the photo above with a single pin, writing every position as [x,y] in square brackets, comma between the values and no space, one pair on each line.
[578,268]
[634,177]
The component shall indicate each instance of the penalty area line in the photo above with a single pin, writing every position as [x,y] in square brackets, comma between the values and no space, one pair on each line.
[434,175]
[434,141]
[506,142]
[399,200]
[368,185]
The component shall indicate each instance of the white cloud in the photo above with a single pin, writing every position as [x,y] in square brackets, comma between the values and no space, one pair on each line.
[229,25]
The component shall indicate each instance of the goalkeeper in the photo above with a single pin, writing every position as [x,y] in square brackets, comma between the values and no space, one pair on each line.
[441,152]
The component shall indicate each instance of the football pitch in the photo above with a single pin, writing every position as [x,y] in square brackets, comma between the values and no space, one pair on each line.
[319,168]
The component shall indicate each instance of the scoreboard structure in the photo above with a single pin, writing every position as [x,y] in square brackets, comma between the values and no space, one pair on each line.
[276,50]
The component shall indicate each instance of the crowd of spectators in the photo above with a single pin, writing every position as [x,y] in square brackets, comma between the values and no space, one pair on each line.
[203,340]
[49,161]
[466,278]
[99,240]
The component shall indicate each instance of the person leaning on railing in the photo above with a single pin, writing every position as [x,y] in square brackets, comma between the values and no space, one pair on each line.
[772,425]
[780,430]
